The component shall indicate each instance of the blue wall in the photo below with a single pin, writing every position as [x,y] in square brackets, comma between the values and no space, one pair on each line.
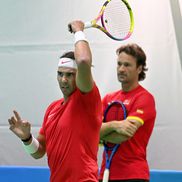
[24,174]
[165,176]
[37,174]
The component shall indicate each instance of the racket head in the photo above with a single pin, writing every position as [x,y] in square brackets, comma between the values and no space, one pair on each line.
[115,110]
[117,20]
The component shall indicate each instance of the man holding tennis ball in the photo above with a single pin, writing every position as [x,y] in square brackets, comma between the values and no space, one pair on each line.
[70,131]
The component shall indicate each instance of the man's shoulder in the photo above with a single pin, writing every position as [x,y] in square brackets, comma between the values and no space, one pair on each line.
[145,91]
[110,96]
[144,95]
[55,102]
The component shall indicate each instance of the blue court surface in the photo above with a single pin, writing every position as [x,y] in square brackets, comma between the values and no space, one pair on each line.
[37,174]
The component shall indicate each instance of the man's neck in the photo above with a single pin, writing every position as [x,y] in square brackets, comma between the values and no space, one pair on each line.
[126,87]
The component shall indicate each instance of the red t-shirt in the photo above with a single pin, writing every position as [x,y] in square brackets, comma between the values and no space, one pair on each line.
[71,131]
[129,162]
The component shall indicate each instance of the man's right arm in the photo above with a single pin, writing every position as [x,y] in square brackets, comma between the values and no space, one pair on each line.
[83,56]
[117,131]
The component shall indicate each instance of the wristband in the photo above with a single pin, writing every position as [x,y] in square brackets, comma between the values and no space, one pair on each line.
[32,147]
[26,140]
[79,36]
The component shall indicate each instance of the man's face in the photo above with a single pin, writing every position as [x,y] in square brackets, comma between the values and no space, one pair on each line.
[66,79]
[127,70]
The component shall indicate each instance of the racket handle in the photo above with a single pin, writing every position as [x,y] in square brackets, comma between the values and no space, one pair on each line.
[106,176]
[87,24]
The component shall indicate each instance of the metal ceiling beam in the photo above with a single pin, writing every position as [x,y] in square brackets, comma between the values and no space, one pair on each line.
[177,20]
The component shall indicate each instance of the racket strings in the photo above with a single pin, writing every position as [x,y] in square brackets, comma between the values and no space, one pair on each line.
[116,19]
[115,113]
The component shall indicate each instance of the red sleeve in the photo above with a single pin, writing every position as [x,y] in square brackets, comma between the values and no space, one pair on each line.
[143,108]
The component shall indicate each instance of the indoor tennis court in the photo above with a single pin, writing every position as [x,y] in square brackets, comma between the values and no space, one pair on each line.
[33,34]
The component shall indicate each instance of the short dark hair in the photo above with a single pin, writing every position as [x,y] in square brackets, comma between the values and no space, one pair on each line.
[138,53]
[69,54]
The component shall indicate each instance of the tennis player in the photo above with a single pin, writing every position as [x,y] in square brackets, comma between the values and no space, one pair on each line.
[70,131]
[129,163]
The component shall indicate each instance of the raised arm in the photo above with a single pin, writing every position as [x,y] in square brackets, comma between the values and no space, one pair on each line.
[83,57]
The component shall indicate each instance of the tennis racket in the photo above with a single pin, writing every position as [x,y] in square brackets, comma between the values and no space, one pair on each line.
[116,18]
[115,111]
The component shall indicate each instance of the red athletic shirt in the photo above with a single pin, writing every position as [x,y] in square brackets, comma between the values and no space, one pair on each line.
[71,131]
[129,162]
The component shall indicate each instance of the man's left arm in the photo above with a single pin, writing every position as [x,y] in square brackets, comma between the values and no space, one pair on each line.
[119,131]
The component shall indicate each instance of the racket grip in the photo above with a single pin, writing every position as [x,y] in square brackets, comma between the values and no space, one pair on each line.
[106,176]
[87,24]
[70,28]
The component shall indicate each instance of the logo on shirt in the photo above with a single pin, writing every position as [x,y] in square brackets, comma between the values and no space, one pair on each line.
[126,102]
[140,111]
[51,115]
